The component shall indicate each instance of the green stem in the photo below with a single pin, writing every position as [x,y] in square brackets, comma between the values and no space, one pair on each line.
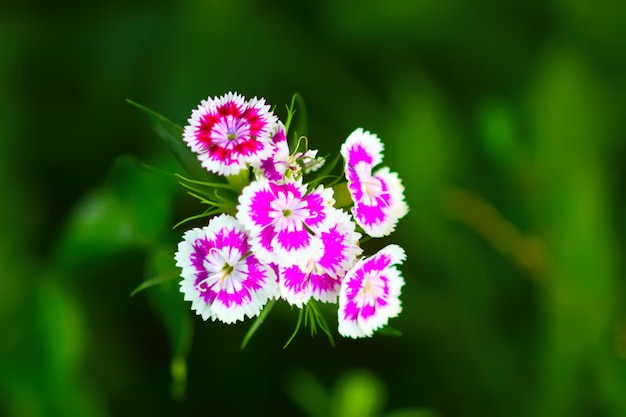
[238,181]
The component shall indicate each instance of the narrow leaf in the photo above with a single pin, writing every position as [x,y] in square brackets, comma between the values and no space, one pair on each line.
[302,127]
[257,323]
[295,332]
[290,112]
[208,213]
[389,331]
[205,183]
[321,322]
[172,135]
[155,281]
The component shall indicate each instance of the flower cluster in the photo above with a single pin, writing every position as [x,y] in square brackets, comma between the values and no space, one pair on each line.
[287,236]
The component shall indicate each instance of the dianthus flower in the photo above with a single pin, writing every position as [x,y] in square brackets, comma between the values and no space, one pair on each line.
[221,277]
[229,133]
[283,166]
[378,196]
[369,294]
[321,277]
[282,220]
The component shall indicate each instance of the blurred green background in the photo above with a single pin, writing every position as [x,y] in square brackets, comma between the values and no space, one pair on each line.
[505,120]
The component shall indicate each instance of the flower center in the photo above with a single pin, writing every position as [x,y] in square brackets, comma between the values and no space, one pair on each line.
[224,271]
[372,290]
[289,212]
[230,129]
[372,189]
[227,269]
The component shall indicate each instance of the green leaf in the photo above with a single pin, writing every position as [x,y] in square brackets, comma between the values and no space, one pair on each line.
[207,213]
[160,279]
[297,329]
[320,321]
[313,318]
[290,112]
[207,193]
[257,323]
[301,127]
[390,331]
[172,135]
[209,185]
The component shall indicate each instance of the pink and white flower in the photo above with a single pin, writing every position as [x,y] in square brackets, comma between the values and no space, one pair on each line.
[228,133]
[276,165]
[320,278]
[283,220]
[362,147]
[221,277]
[378,196]
[369,294]
[310,161]
[283,166]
